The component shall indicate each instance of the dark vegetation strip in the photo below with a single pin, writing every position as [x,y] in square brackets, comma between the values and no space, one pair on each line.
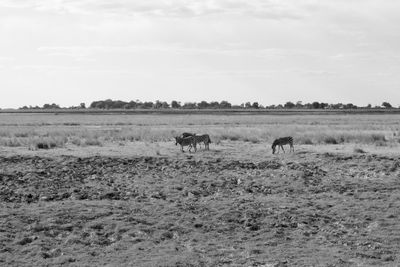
[208,111]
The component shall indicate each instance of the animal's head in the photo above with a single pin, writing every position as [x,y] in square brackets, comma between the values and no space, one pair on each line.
[273,147]
[176,140]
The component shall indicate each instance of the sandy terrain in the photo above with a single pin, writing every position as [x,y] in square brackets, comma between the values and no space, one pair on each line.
[148,204]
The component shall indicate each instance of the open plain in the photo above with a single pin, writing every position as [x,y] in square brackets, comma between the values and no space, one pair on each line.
[114,190]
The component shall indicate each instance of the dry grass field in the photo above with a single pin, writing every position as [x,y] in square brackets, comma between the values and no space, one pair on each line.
[114,190]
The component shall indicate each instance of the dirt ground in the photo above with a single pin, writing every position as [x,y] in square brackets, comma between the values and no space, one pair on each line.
[235,205]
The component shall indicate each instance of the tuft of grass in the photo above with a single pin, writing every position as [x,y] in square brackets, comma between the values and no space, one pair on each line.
[305,141]
[231,137]
[330,140]
[48,145]
[381,143]
[76,141]
[252,139]
[86,140]
[358,150]
[71,124]
[93,142]
[12,142]
[48,142]
[378,138]
[22,134]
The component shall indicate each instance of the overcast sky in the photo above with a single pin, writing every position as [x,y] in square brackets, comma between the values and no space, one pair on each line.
[270,51]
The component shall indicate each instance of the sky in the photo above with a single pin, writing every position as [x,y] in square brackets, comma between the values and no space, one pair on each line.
[270,51]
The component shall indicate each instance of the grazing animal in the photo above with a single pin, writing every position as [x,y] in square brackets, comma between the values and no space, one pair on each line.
[205,138]
[282,141]
[187,134]
[187,141]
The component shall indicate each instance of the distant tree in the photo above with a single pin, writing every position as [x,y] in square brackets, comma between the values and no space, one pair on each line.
[164,105]
[51,106]
[96,104]
[323,105]
[147,105]
[350,106]
[214,104]
[247,105]
[386,105]
[82,105]
[157,104]
[255,105]
[299,104]
[118,104]
[369,106]
[175,104]
[289,105]
[131,105]
[315,105]
[189,105]
[203,104]
[337,106]
[225,104]
[108,103]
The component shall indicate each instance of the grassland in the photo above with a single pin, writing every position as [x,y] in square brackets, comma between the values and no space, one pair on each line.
[60,130]
[114,190]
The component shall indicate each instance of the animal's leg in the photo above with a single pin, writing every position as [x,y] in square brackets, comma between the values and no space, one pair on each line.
[283,149]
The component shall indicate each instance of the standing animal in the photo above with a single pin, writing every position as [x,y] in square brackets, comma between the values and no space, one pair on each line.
[280,142]
[205,138]
[187,134]
[189,141]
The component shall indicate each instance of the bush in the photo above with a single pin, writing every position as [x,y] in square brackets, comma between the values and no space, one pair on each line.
[330,140]
[76,141]
[378,138]
[251,139]
[232,137]
[12,142]
[48,142]
[307,141]
[93,142]
[381,143]
[41,145]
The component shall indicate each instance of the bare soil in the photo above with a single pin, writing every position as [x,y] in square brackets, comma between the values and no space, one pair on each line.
[212,208]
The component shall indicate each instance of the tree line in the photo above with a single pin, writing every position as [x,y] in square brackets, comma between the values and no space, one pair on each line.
[118,104]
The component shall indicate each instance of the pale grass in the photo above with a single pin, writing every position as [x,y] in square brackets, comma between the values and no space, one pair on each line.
[95,130]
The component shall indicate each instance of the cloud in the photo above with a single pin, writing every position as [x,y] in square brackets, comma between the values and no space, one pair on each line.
[6,59]
[268,9]
[223,49]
